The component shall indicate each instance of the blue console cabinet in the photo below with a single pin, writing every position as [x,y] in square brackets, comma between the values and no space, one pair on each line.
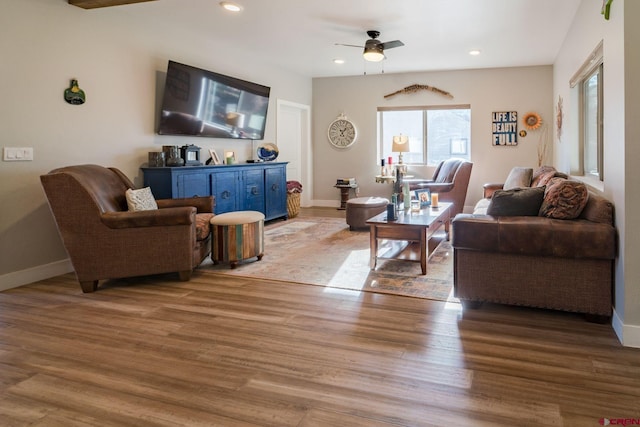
[253,186]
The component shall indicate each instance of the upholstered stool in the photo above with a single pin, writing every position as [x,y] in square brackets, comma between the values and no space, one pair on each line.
[360,209]
[236,236]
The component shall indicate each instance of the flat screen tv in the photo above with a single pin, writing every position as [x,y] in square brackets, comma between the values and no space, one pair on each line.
[203,103]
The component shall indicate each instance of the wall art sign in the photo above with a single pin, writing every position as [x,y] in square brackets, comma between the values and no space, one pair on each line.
[505,128]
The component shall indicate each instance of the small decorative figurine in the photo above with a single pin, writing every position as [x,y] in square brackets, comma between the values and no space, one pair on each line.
[73,94]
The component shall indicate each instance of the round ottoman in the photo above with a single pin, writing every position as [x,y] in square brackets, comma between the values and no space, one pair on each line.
[236,236]
[360,209]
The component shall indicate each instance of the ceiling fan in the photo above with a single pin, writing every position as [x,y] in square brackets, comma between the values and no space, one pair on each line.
[374,48]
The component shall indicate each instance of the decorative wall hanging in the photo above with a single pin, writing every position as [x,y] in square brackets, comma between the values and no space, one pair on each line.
[606,8]
[532,121]
[73,94]
[559,117]
[505,128]
[416,88]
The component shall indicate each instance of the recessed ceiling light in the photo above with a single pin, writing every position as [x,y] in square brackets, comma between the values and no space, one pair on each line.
[474,52]
[231,7]
[338,61]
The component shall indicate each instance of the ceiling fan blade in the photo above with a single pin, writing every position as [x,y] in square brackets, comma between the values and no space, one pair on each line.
[392,44]
[349,45]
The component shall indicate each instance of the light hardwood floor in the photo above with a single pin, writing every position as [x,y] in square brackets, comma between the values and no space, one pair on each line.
[237,352]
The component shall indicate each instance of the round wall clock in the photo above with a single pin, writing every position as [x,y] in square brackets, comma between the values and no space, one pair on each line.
[342,133]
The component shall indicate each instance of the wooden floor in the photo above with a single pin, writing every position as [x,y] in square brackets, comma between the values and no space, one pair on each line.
[237,352]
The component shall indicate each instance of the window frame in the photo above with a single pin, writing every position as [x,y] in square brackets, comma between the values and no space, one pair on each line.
[598,70]
[593,64]
[424,109]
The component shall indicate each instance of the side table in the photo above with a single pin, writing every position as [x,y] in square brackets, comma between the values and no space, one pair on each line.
[344,194]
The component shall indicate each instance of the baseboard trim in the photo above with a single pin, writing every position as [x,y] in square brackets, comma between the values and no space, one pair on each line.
[629,335]
[34,274]
[325,203]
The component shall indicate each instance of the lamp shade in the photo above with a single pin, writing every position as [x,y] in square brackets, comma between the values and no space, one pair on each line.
[373,53]
[400,144]
[235,119]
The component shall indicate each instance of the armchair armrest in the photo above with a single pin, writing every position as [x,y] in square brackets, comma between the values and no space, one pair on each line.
[202,204]
[154,218]
[435,188]
[490,188]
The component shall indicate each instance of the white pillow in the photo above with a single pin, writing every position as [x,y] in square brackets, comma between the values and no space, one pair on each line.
[141,200]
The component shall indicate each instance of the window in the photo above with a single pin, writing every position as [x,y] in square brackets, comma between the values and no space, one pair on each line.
[435,133]
[588,80]
[591,139]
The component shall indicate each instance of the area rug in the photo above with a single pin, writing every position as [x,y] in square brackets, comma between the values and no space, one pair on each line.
[324,252]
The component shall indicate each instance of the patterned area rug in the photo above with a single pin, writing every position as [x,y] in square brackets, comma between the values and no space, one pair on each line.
[324,252]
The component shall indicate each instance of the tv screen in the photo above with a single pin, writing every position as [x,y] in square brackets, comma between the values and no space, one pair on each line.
[203,103]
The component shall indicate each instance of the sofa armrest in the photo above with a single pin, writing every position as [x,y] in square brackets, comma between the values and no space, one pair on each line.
[185,215]
[489,188]
[202,204]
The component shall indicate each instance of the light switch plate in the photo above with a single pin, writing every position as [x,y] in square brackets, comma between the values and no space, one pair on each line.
[18,154]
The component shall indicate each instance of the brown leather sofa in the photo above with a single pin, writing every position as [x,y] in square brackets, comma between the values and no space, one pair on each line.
[536,261]
[104,240]
[450,180]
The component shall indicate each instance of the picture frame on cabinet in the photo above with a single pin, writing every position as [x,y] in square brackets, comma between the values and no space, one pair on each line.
[214,157]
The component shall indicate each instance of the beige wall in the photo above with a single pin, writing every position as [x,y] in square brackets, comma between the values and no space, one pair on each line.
[620,36]
[521,89]
[44,44]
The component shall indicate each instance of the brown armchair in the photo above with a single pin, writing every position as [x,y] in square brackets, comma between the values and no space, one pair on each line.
[450,181]
[105,241]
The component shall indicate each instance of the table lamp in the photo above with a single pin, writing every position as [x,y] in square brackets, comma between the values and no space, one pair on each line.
[400,145]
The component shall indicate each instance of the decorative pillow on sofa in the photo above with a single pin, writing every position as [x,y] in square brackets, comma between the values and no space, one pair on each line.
[518,177]
[564,199]
[516,202]
[141,200]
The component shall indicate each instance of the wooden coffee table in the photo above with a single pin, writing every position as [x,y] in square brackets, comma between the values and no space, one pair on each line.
[416,229]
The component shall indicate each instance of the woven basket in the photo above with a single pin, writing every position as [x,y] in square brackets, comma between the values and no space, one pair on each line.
[293,204]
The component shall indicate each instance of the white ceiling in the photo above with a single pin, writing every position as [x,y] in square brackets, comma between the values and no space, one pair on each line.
[301,35]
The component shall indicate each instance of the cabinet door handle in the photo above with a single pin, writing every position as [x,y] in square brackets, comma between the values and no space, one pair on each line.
[274,187]
[254,190]
[225,194]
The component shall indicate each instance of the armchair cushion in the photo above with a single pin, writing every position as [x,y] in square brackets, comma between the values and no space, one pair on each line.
[140,200]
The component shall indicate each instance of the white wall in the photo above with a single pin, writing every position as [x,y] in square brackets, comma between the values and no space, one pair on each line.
[521,89]
[620,36]
[44,44]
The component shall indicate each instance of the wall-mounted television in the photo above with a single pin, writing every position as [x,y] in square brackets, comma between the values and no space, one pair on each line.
[198,102]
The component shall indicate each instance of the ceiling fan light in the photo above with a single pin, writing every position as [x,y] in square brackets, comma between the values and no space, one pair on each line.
[373,54]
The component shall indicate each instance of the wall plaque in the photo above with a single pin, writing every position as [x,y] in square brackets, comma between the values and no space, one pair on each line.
[505,128]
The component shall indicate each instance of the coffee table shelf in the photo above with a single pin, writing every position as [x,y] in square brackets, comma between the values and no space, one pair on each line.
[416,229]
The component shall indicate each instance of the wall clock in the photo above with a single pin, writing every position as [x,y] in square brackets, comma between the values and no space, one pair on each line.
[342,133]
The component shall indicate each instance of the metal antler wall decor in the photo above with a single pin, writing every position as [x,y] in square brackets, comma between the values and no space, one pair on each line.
[416,88]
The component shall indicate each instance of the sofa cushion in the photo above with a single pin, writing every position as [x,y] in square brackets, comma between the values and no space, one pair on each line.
[518,177]
[516,202]
[564,199]
[141,200]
